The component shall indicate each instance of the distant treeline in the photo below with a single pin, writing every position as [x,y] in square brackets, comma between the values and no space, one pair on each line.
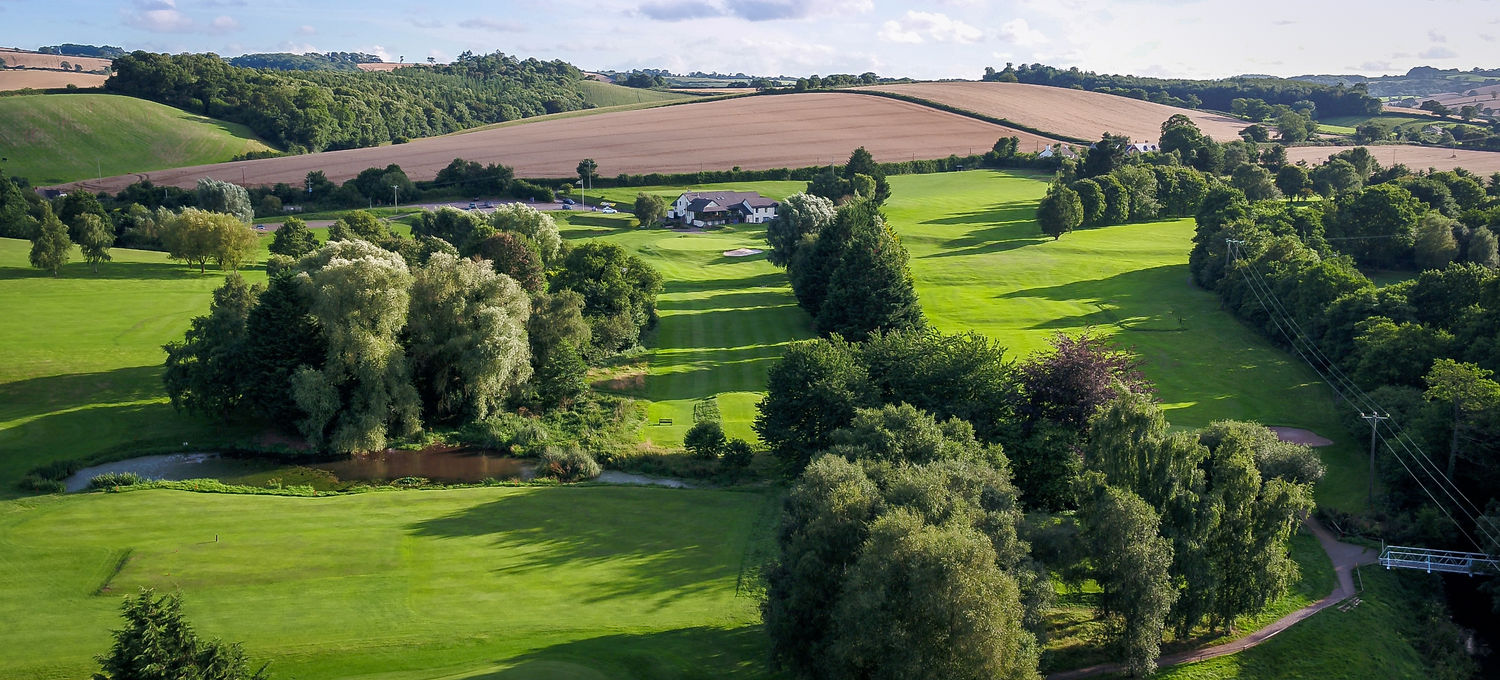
[323,110]
[1207,94]
[310,61]
[75,50]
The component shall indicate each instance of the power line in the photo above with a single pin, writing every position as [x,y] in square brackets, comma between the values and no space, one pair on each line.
[1346,388]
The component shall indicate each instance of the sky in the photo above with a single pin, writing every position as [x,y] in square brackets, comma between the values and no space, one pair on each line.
[925,40]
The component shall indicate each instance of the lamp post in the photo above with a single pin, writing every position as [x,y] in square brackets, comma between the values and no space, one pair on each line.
[583,194]
[395,199]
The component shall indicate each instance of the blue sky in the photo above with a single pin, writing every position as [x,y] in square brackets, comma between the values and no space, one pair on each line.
[932,39]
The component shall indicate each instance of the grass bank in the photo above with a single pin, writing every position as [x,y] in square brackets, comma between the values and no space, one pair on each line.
[54,138]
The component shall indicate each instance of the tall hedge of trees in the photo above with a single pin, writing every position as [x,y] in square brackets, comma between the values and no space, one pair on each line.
[1403,344]
[1217,95]
[314,110]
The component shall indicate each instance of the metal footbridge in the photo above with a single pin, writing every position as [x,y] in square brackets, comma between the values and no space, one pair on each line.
[1444,561]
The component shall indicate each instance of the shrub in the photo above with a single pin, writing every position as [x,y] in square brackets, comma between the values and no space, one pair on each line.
[38,484]
[504,432]
[707,409]
[569,464]
[705,439]
[737,455]
[110,480]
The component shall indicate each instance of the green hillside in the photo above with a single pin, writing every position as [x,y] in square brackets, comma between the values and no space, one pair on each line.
[54,138]
[608,94]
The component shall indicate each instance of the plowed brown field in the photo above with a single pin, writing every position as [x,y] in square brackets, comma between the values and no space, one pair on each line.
[42,80]
[1414,157]
[754,133]
[1062,111]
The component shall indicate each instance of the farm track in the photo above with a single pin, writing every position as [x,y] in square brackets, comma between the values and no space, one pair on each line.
[1345,557]
[753,133]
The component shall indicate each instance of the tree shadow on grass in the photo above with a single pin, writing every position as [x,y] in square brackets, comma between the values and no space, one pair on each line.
[114,271]
[1143,299]
[772,279]
[734,301]
[40,396]
[1004,227]
[684,654]
[652,546]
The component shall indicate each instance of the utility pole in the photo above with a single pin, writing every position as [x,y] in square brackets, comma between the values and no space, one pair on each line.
[395,200]
[1374,419]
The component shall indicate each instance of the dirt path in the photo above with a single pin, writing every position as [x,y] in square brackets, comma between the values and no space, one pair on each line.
[1345,558]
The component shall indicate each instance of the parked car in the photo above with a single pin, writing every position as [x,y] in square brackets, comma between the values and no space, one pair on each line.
[567,201]
[609,211]
[473,205]
[489,204]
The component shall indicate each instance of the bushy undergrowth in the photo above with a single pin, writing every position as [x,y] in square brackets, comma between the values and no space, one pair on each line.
[567,464]
[111,480]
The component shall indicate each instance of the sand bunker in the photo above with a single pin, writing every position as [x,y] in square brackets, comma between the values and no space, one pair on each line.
[1297,435]
[742,252]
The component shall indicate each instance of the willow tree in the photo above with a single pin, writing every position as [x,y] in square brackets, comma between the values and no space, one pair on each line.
[467,337]
[359,296]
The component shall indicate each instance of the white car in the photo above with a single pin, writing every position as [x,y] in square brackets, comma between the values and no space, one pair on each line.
[609,211]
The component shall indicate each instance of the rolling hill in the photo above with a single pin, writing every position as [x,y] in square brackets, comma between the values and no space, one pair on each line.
[751,132]
[57,138]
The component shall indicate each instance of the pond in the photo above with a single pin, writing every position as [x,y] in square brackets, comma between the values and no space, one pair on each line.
[449,466]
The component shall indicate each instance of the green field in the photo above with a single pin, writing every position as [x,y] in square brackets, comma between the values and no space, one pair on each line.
[723,319]
[981,264]
[608,94]
[587,582]
[82,375]
[55,138]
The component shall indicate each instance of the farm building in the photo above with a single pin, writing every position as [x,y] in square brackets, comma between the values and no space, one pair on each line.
[710,208]
[1061,150]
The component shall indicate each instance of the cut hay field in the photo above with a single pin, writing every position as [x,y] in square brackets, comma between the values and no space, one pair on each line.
[1063,111]
[44,80]
[499,583]
[55,138]
[14,58]
[753,133]
[383,66]
[1410,155]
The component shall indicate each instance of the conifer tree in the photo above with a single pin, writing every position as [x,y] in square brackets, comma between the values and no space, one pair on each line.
[872,287]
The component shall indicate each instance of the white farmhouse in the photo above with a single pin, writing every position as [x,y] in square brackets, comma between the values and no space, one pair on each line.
[709,208]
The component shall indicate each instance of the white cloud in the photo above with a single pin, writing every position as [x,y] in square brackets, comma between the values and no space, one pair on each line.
[306,30]
[487,24]
[158,16]
[1438,52]
[1437,37]
[752,10]
[162,16]
[916,27]
[894,32]
[1021,33]
[223,24]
